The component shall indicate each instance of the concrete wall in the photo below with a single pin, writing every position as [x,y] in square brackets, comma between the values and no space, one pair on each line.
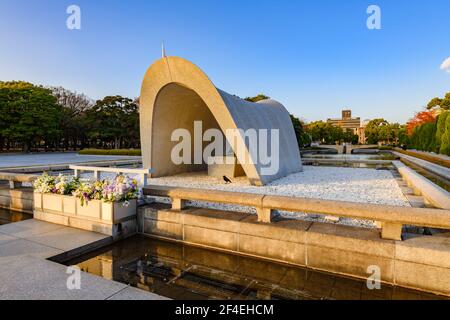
[175,92]
[16,199]
[177,107]
[418,262]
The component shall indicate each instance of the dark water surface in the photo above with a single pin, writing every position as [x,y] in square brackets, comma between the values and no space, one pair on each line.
[8,216]
[179,271]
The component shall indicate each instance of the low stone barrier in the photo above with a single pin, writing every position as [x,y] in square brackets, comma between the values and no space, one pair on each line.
[15,197]
[346,161]
[432,193]
[109,218]
[418,262]
[392,218]
[65,166]
[16,179]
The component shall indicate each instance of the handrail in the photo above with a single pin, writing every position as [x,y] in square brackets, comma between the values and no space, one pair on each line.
[433,218]
[97,170]
[181,194]
[392,218]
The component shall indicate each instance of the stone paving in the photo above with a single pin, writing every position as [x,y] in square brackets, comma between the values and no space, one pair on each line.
[25,272]
[39,159]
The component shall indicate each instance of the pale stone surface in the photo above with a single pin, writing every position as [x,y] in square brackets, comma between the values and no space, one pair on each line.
[164,229]
[16,199]
[350,239]
[428,250]
[42,279]
[26,274]
[130,293]
[28,228]
[224,166]
[4,239]
[67,238]
[210,237]
[423,277]
[173,86]
[20,160]
[22,247]
[279,250]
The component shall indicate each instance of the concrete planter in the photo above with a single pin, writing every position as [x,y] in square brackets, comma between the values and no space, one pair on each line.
[110,212]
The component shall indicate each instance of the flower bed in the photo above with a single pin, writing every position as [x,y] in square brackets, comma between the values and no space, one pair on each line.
[106,200]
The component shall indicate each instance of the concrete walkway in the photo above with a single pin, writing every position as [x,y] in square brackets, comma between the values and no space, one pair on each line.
[435,168]
[39,159]
[25,272]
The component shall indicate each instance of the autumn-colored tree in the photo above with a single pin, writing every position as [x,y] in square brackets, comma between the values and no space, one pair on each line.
[419,119]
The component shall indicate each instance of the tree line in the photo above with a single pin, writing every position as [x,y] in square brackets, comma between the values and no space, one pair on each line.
[36,118]
[429,130]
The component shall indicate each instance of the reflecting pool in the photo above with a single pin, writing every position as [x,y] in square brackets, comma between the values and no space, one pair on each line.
[179,271]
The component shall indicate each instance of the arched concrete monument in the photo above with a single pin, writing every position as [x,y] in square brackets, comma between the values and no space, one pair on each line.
[175,93]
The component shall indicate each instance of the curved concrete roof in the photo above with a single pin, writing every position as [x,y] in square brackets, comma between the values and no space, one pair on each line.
[175,93]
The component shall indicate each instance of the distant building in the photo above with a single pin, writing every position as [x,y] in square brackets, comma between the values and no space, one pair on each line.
[362,132]
[347,123]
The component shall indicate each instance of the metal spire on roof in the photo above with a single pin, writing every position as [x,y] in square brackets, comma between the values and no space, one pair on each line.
[163,51]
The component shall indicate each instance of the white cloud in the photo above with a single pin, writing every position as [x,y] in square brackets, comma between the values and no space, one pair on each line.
[446,65]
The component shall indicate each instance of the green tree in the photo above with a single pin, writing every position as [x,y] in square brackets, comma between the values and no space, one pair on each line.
[303,139]
[402,136]
[350,137]
[440,103]
[325,132]
[445,139]
[114,122]
[73,119]
[372,130]
[257,98]
[440,128]
[424,137]
[29,114]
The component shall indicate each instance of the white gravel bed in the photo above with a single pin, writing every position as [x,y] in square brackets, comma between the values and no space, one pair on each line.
[331,183]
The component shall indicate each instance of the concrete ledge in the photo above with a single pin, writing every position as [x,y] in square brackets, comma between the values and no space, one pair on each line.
[418,263]
[244,199]
[432,193]
[390,218]
[17,199]
[17,177]
[65,166]
[127,226]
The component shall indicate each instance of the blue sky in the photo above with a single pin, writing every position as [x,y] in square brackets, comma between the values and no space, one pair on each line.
[315,57]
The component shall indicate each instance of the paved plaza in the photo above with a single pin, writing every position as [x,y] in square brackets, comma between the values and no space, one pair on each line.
[39,159]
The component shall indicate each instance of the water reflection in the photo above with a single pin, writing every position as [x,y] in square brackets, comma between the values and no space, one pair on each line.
[8,216]
[184,272]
